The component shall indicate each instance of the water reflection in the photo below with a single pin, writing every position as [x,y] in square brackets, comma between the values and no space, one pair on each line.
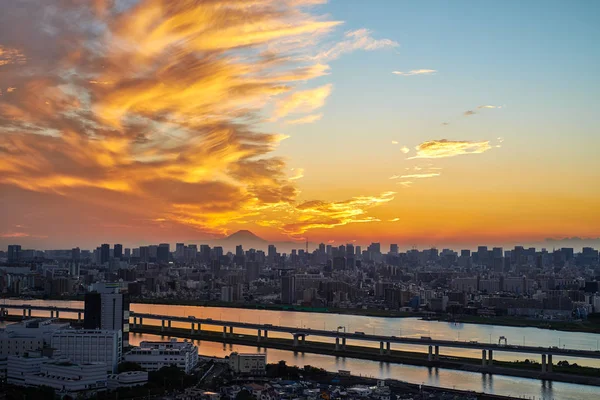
[410,327]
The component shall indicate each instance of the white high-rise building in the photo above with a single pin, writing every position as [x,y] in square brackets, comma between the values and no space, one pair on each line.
[29,335]
[89,346]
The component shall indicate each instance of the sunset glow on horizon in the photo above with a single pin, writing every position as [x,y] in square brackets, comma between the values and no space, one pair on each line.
[146,121]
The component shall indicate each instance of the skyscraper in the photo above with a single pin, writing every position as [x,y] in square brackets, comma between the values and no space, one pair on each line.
[393,249]
[118,252]
[163,252]
[144,254]
[104,253]
[75,254]
[14,252]
[179,251]
[288,289]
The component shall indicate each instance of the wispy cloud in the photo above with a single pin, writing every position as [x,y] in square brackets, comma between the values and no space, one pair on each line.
[14,235]
[394,219]
[303,101]
[421,176]
[405,149]
[469,113]
[394,142]
[360,39]
[450,148]
[298,173]
[445,123]
[405,183]
[488,106]
[415,72]
[309,119]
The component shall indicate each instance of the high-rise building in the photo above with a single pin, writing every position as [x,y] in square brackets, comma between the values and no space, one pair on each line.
[118,251]
[358,251]
[144,254]
[218,251]
[104,253]
[288,289]
[252,271]
[239,250]
[87,346]
[321,248]
[127,253]
[179,251]
[75,254]
[272,253]
[163,252]
[152,252]
[393,249]
[14,253]
[106,308]
[349,250]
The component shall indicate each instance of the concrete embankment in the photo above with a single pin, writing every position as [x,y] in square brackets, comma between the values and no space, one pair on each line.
[370,353]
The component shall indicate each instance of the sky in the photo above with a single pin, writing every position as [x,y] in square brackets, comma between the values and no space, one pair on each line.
[420,123]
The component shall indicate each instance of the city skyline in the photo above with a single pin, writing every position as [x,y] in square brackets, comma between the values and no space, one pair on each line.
[151,121]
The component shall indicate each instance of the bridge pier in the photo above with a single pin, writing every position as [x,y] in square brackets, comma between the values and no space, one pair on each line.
[380,347]
[490,357]
[57,314]
[169,324]
[231,330]
[437,353]
[24,313]
[79,319]
[162,328]
[29,313]
[483,360]
[225,331]
[141,321]
[295,340]
[51,313]
[266,334]
[258,336]
[549,365]
[343,343]
[388,350]
[337,344]
[543,363]
[303,337]
[192,331]
[430,354]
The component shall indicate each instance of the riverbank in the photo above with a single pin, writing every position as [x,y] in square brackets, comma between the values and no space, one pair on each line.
[565,326]
[578,375]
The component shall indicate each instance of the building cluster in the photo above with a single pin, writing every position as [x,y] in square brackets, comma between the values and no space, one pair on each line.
[561,283]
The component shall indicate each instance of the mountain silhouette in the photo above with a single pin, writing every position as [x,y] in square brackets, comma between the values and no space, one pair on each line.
[244,236]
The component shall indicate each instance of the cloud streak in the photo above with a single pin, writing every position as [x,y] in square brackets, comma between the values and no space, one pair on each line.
[444,148]
[415,72]
[309,119]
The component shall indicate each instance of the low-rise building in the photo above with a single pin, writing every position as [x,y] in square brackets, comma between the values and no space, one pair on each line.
[152,356]
[127,379]
[65,377]
[248,364]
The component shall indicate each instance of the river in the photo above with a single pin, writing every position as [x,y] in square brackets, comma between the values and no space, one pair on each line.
[410,327]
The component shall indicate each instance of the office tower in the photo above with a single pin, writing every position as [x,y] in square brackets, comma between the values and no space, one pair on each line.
[163,252]
[127,254]
[288,289]
[14,253]
[152,252]
[218,250]
[144,254]
[321,248]
[75,254]
[204,253]
[374,248]
[179,251]
[118,251]
[104,253]
[329,250]
[358,251]
[239,250]
[339,263]
[349,250]
[106,308]
[191,252]
[497,252]
[272,253]
[90,346]
[465,253]
[393,249]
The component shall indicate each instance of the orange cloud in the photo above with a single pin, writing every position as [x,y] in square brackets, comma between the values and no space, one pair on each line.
[159,117]
[309,119]
[449,148]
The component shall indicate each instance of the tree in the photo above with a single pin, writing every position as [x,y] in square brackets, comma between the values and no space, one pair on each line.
[244,395]
[127,366]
